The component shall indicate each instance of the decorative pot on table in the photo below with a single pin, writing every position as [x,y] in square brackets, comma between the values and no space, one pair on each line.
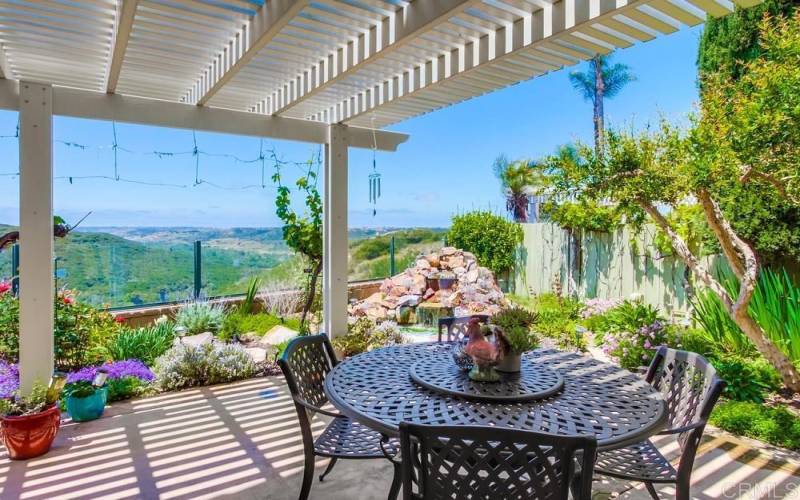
[511,363]
[29,436]
[88,408]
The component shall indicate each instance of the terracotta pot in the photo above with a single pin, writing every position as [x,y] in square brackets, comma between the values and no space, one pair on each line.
[29,436]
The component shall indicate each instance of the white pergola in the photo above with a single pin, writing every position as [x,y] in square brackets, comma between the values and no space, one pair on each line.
[321,71]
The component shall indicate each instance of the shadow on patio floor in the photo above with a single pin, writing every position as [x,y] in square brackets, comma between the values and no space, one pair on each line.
[242,441]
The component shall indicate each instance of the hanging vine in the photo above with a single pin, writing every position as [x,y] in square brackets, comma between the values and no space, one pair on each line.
[302,232]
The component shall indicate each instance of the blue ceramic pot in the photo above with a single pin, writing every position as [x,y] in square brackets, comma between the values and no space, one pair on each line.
[88,408]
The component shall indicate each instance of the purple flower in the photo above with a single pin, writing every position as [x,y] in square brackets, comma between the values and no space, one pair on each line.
[115,370]
[647,344]
[9,379]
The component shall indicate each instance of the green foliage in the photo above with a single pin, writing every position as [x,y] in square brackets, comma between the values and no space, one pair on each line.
[632,332]
[750,110]
[123,388]
[238,323]
[250,296]
[378,246]
[303,233]
[557,319]
[709,312]
[493,239]
[615,77]
[19,405]
[200,316]
[79,390]
[145,344]
[364,335]
[517,180]
[583,214]
[214,363]
[775,306]
[689,221]
[747,379]
[515,324]
[775,425]
[730,42]
[79,336]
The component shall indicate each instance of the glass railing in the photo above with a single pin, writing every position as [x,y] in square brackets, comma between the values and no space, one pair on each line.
[115,272]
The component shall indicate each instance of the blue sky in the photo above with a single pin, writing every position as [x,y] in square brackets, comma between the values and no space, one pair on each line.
[444,168]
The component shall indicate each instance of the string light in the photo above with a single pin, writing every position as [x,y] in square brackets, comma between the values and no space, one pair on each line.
[196,152]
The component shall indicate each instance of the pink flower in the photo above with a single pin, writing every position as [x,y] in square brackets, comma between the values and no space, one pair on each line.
[5,286]
[68,300]
[647,344]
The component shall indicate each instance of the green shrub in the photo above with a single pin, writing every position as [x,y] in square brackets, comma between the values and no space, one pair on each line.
[709,312]
[364,335]
[557,319]
[492,238]
[198,317]
[747,379]
[145,344]
[238,323]
[213,363]
[775,425]
[80,331]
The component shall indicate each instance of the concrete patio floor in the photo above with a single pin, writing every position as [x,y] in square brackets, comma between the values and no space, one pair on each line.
[242,441]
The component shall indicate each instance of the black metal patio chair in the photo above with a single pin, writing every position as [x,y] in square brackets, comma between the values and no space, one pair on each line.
[482,463]
[305,363]
[457,327]
[690,386]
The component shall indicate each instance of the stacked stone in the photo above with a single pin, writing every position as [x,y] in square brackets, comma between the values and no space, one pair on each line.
[473,289]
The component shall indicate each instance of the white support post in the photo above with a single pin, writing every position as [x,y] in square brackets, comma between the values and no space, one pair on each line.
[36,298]
[334,258]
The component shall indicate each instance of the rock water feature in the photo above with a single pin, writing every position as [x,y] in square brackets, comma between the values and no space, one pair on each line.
[445,283]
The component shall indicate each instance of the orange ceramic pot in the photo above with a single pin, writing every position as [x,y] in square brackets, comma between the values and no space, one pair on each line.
[29,436]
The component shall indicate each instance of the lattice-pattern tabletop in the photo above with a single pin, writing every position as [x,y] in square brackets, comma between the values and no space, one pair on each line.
[440,374]
[599,399]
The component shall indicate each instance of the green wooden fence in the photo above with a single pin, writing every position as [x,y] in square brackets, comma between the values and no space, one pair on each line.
[604,265]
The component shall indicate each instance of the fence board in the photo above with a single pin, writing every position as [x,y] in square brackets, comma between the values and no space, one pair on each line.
[611,266]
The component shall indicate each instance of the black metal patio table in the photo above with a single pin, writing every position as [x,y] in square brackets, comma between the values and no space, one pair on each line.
[580,395]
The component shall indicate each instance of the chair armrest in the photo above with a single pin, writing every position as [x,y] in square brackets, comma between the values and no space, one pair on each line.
[685,428]
[316,408]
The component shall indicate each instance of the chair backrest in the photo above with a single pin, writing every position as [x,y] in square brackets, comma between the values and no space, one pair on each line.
[457,327]
[305,363]
[690,387]
[468,462]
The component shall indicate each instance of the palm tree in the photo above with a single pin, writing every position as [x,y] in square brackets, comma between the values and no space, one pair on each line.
[517,179]
[601,81]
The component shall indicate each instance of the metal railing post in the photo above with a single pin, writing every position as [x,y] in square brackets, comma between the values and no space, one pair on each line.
[198,267]
[15,270]
[392,265]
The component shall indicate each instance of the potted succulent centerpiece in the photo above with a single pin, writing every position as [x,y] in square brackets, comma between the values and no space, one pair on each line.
[87,400]
[29,423]
[514,336]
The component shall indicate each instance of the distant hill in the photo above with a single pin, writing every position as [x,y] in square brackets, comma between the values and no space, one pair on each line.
[121,266]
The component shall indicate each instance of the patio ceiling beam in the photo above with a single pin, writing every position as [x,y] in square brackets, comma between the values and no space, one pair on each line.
[114,107]
[565,30]
[396,31]
[271,18]
[126,12]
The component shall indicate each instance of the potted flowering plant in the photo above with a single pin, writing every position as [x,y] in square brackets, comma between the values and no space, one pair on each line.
[29,423]
[514,336]
[86,400]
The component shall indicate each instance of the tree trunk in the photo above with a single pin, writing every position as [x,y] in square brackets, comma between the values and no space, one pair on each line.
[599,95]
[748,264]
[311,293]
[520,207]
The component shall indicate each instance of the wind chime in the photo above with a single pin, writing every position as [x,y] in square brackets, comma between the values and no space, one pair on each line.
[375,176]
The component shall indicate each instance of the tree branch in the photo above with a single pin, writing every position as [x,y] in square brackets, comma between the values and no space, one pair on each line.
[682,250]
[748,173]
[724,233]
